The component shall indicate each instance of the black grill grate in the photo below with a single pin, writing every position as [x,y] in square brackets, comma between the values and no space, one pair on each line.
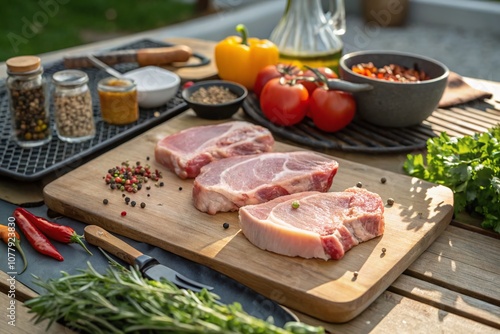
[29,164]
[362,137]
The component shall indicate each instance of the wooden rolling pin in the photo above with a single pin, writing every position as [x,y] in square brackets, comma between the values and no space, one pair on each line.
[144,57]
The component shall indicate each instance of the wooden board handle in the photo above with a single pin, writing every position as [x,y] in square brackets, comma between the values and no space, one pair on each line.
[162,56]
[99,237]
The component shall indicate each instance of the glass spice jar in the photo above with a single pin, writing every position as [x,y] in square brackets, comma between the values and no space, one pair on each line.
[73,110]
[118,99]
[29,105]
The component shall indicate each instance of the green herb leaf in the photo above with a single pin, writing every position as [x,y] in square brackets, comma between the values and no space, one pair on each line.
[122,301]
[470,166]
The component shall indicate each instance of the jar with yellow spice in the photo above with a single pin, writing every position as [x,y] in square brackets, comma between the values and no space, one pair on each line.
[118,100]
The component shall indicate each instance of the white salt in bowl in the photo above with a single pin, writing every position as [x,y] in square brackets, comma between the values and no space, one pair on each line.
[155,85]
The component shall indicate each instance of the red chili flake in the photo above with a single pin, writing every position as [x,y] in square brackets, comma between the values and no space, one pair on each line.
[124,213]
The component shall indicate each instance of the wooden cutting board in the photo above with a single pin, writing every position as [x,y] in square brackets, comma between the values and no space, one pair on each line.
[328,290]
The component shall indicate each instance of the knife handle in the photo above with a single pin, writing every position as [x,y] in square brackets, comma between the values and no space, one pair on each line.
[162,56]
[99,237]
[144,57]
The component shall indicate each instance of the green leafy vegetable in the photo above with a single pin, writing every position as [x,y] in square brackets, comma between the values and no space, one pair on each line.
[470,166]
[122,301]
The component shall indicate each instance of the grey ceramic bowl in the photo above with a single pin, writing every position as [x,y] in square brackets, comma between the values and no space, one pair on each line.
[395,104]
[220,110]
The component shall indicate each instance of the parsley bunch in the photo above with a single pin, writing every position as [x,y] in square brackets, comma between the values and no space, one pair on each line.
[470,166]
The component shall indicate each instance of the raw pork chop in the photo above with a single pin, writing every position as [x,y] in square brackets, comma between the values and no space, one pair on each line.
[187,151]
[324,225]
[228,184]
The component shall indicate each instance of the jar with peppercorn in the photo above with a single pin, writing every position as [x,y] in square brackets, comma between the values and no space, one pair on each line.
[28,101]
[72,102]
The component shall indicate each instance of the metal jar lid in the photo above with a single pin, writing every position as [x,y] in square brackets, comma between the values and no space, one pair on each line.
[70,78]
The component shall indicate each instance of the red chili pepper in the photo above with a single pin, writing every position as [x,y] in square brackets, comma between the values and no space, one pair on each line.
[9,235]
[61,233]
[36,238]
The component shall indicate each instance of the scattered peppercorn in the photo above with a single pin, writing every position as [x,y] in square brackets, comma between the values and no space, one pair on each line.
[149,195]
[355,274]
[133,203]
[124,213]
[390,201]
[123,195]
[127,200]
[162,184]
[383,180]
[359,185]
[147,158]
[105,201]
[148,188]
[225,225]
[130,178]
[143,205]
[383,250]
[295,204]
[180,188]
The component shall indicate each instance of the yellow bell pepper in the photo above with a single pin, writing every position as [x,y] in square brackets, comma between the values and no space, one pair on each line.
[239,59]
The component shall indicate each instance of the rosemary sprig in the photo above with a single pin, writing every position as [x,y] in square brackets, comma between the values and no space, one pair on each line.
[122,301]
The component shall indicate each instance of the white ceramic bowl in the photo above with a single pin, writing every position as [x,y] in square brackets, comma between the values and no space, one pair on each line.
[155,85]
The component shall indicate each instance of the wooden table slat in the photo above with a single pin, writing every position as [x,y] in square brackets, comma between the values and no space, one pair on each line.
[447,300]
[23,320]
[464,262]
[393,313]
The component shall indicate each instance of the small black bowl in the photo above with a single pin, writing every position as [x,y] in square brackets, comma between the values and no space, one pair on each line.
[219,110]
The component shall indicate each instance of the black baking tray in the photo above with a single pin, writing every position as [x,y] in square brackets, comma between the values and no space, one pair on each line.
[31,164]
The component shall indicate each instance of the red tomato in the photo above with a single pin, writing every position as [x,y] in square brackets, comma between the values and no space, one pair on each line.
[187,84]
[332,110]
[311,86]
[270,72]
[284,103]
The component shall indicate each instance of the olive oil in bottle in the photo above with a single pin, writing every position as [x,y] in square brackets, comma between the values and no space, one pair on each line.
[306,35]
[330,60]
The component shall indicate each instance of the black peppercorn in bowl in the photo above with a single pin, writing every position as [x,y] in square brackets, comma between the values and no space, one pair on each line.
[215,99]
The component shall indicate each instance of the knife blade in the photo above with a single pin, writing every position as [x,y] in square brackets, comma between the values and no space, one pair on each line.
[147,265]
[144,57]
